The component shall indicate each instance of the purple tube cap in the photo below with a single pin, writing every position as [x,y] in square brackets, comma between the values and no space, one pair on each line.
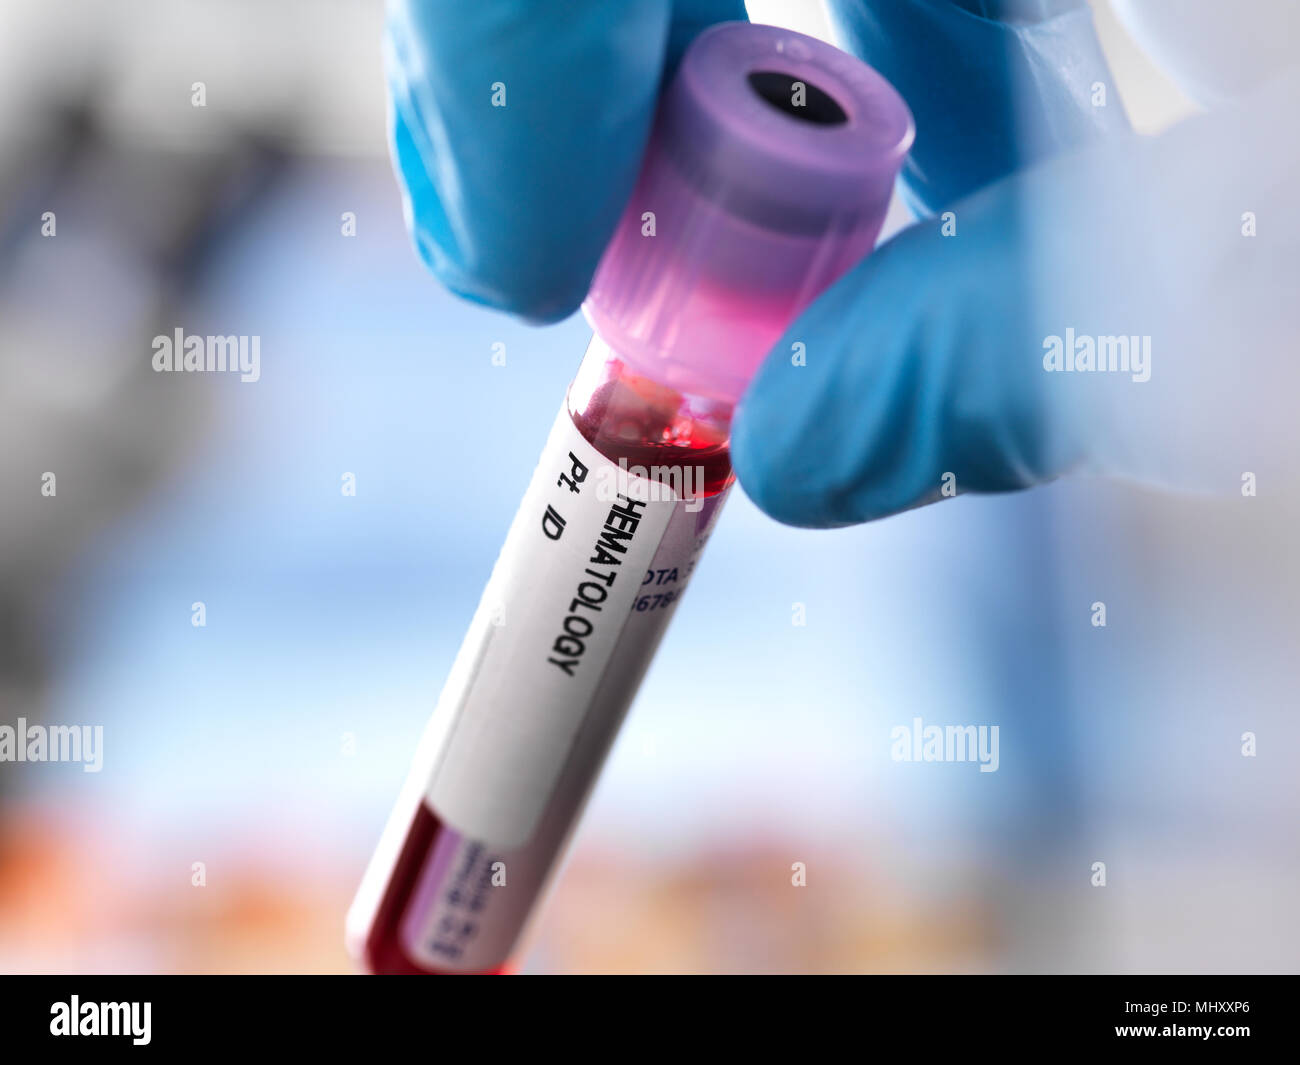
[768,174]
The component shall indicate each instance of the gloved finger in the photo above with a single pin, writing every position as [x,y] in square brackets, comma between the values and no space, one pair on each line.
[1115,311]
[994,85]
[517,132]
[907,383]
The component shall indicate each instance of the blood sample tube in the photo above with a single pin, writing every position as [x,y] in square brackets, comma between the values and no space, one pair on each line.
[768,173]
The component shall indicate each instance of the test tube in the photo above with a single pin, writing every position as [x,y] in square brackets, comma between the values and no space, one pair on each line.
[768,174]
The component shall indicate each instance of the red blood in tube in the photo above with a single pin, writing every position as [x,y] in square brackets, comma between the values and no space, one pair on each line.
[628,417]
[624,416]
[383,952]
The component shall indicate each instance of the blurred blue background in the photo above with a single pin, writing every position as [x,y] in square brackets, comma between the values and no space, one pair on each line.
[269,743]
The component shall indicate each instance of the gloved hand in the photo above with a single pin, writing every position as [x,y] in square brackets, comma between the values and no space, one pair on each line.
[512,206]
[925,365]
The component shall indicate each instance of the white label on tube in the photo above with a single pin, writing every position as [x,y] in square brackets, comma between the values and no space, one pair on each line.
[570,574]
[472,899]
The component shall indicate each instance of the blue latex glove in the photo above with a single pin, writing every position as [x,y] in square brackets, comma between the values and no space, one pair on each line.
[512,206]
[925,364]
